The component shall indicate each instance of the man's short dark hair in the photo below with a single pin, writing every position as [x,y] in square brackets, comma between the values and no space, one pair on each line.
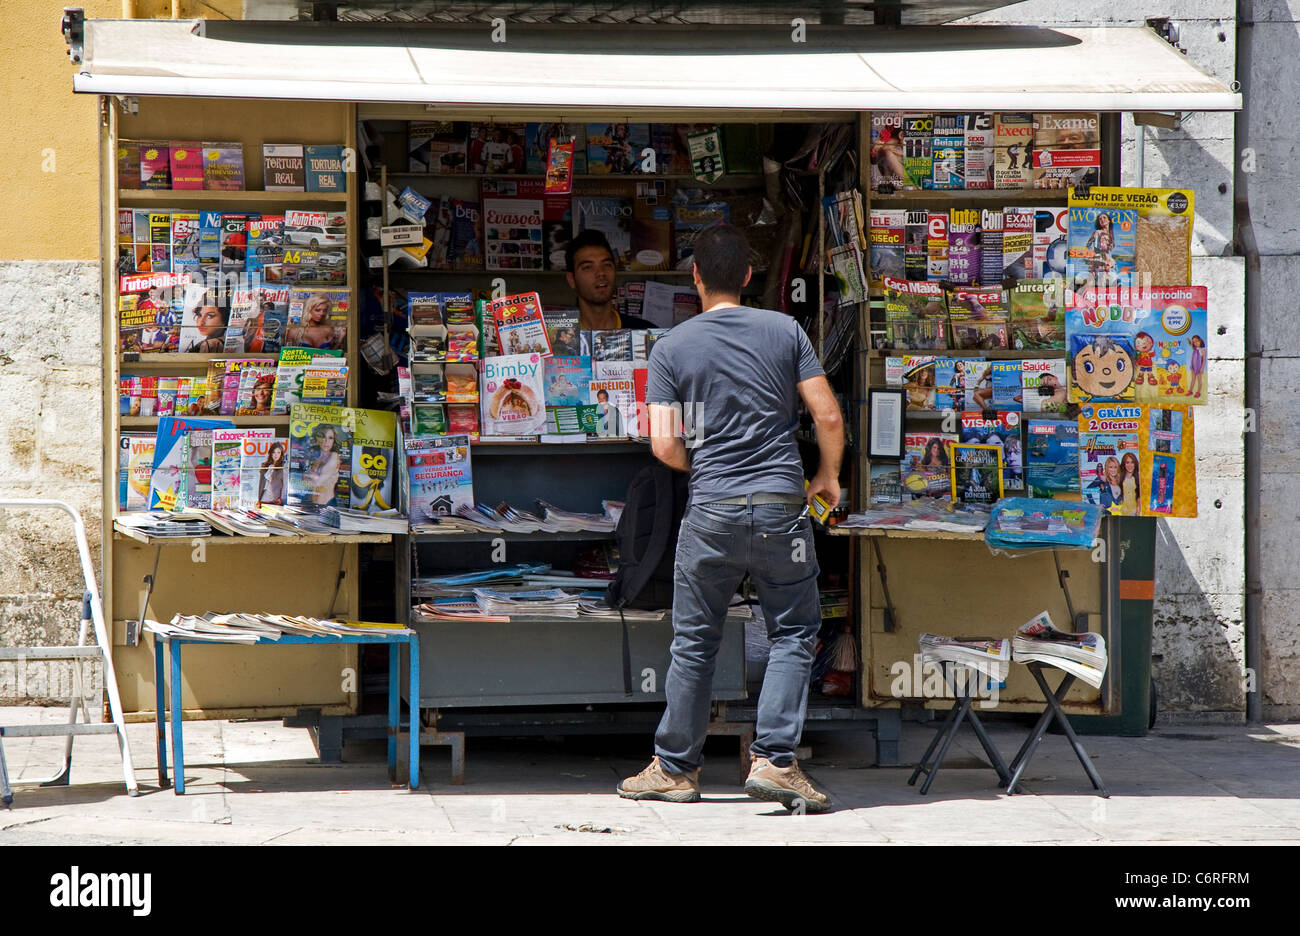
[588,238]
[721,255]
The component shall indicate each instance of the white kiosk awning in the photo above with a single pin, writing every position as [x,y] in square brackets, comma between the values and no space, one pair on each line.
[1021,68]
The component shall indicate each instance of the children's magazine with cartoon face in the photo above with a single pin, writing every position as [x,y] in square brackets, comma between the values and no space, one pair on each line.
[1170,344]
[1100,328]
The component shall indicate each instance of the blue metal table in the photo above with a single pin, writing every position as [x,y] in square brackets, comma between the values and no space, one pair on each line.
[411,640]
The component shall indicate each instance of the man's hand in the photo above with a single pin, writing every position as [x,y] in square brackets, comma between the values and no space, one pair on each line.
[825,486]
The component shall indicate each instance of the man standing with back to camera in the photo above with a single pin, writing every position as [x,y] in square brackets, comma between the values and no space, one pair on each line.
[744,370]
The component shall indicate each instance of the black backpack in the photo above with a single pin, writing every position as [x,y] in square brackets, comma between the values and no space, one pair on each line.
[647,546]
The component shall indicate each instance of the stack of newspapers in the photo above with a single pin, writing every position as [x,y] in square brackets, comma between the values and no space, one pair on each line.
[989,655]
[549,602]
[250,628]
[1082,655]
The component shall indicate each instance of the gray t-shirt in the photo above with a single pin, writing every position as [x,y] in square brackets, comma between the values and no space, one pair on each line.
[735,372]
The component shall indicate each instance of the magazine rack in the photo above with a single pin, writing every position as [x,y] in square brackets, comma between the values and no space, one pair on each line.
[961,709]
[318,576]
[1052,713]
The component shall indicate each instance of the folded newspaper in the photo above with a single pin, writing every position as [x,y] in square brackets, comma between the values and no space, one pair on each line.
[989,655]
[1082,655]
[927,513]
[249,628]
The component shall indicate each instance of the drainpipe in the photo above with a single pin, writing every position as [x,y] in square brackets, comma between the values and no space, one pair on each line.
[1245,246]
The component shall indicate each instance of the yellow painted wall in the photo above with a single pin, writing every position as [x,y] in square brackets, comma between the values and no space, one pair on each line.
[49,179]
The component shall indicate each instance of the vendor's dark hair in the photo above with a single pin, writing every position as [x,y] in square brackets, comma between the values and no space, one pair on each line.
[588,238]
[721,255]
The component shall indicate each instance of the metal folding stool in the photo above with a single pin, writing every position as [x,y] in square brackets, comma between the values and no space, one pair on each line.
[961,710]
[1052,712]
[92,616]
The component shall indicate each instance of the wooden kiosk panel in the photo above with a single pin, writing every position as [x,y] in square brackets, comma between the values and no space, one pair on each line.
[235,574]
[957,588]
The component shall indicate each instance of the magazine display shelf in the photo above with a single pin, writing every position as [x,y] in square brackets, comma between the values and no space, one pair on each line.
[299,575]
[556,661]
[981,593]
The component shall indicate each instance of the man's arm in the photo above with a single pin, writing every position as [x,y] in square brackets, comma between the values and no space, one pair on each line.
[817,396]
[666,436]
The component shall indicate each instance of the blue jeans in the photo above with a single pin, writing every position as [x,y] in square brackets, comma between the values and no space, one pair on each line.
[717,545]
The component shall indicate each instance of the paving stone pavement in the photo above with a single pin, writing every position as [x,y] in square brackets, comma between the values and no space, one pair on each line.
[257,782]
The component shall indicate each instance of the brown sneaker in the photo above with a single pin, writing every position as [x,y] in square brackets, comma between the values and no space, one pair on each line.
[785,785]
[656,783]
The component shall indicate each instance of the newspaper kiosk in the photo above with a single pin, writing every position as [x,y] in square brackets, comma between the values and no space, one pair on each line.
[258,80]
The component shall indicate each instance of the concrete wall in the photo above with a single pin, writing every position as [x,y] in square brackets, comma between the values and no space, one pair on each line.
[1273,134]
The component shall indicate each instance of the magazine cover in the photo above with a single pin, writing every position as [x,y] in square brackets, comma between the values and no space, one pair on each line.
[263,472]
[978,147]
[915,373]
[990,269]
[223,167]
[264,333]
[568,380]
[145,304]
[374,461]
[256,391]
[289,375]
[1013,145]
[185,242]
[318,318]
[694,211]
[886,486]
[612,216]
[1008,392]
[562,330]
[1052,458]
[948,170]
[964,254]
[978,318]
[887,233]
[196,470]
[918,150]
[916,241]
[437,146]
[955,381]
[282,167]
[232,240]
[916,315]
[1168,446]
[888,173]
[1043,383]
[1163,230]
[1000,429]
[1051,242]
[186,165]
[325,381]
[615,148]
[1100,332]
[521,329]
[613,391]
[1102,244]
[1171,346]
[228,447]
[925,469]
[244,307]
[1067,150]
[465,242]
[976,473]
[320,455]
[936,246]
[514,396]
[203,320]
[1110,462]
[155,165]
[441,478]
[1035,315]
[265,245]
[134,467]
[1018,243]
[512,224]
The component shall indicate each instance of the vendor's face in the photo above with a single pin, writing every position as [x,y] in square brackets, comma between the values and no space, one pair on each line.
[593,275]
[1103,375]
